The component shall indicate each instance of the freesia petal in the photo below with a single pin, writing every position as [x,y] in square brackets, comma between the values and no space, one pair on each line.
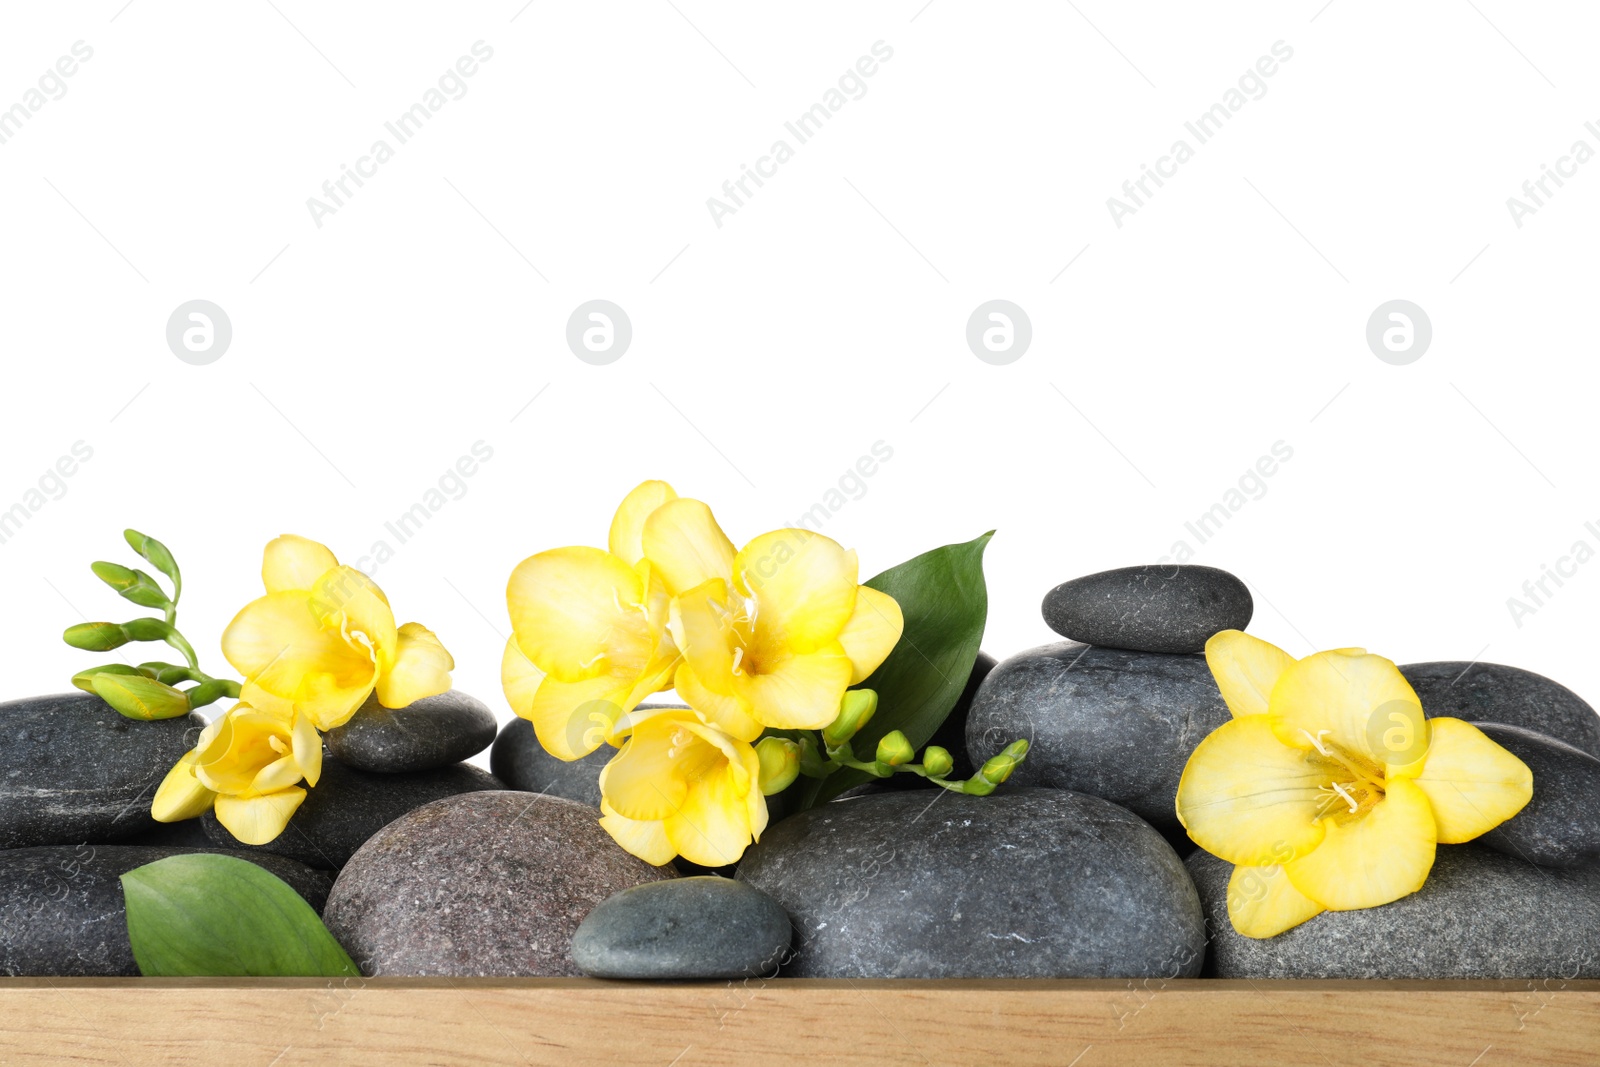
[755,801]
[572,719]
[627,525]
[871,633]
[519,678]
[805,584]
[797,692]
[727,712]
[1472,784]
[704,632]
[578,613]
[1246,668]
[306,746]
[279,774]
[713,826]
[643,780]
[1348,696]
[1371,859]
[421,668]
[682,539]
[292,562]
[351,604]
[1248,798]
[180,795]
[288,657]
[258,820]
[645,839]
[1262,902]
[253,694]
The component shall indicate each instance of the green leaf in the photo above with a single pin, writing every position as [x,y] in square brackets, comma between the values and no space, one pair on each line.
[138,697]
[133,585]
[945,603]
[207,915]
[85,679]
[158,555]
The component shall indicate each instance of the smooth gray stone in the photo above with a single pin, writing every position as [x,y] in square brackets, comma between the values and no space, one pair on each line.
[432,732]
[486,884]
[1481,914]
[72,769]
[348,806]
[684,928]
[1108,722]
[1494,692]
[64,913]
[1025,883]
[1158,608]
[1560,826]
[519,761]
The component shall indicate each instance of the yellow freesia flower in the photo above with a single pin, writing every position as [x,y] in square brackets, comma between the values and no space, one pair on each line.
[249,764]
[1329,789]
[682,787]
[779,642]
[589,626]
[324,638]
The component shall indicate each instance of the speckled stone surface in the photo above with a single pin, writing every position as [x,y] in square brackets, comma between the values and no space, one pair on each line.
[1560,827]
[684,928]
[1026,883]
[1107,722]
[432,732]
[1159,608]
[348,806]
[62,913]
[72,769]
[487,884]
[519,761]
[1493,692]
[1481,914]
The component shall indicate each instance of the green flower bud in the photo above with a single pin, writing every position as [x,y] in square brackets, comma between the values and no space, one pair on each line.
[812,764]
[158,554]
[133,585]
[894,748]
[147,630]
[139,697]
[998,768]
[937,761]
[855,711]
[780,763]
[96,636]
[85,679]
[977,787]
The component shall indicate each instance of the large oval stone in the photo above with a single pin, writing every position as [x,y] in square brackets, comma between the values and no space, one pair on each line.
[1494,692]
[348,806]
[432,732]
[63,912]
[1026,883]
[487,884]
[684,928]
[1103,721]
[1560,826]
[1481,914]
[1158,608]
[72,769]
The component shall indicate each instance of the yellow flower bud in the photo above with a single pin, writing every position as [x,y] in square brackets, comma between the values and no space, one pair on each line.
[895,748]
[780,764]
[937,761]
[855,711]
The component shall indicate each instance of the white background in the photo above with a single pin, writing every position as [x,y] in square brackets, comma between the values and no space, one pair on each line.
[428,313]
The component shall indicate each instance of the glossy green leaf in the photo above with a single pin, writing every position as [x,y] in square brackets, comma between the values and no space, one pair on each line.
[945,603]
[138,697]
[208,915]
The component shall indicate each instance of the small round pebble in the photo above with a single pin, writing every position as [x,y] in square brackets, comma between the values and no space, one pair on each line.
[1160,608]
[432,732]
[686,928]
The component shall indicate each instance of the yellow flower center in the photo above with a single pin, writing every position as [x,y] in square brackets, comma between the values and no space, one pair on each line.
[1355,783]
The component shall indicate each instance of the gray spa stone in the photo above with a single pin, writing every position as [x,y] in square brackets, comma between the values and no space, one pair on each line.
[487,884]
[1103,721]
[63,913]
[1560,826]
[519,761]
[684,928]
[1026,883]
[1494,692]
[1158,608]
[72,769]
[432,732]
[1481,914]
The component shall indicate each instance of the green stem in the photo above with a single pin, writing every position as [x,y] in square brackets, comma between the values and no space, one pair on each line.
[179,642]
